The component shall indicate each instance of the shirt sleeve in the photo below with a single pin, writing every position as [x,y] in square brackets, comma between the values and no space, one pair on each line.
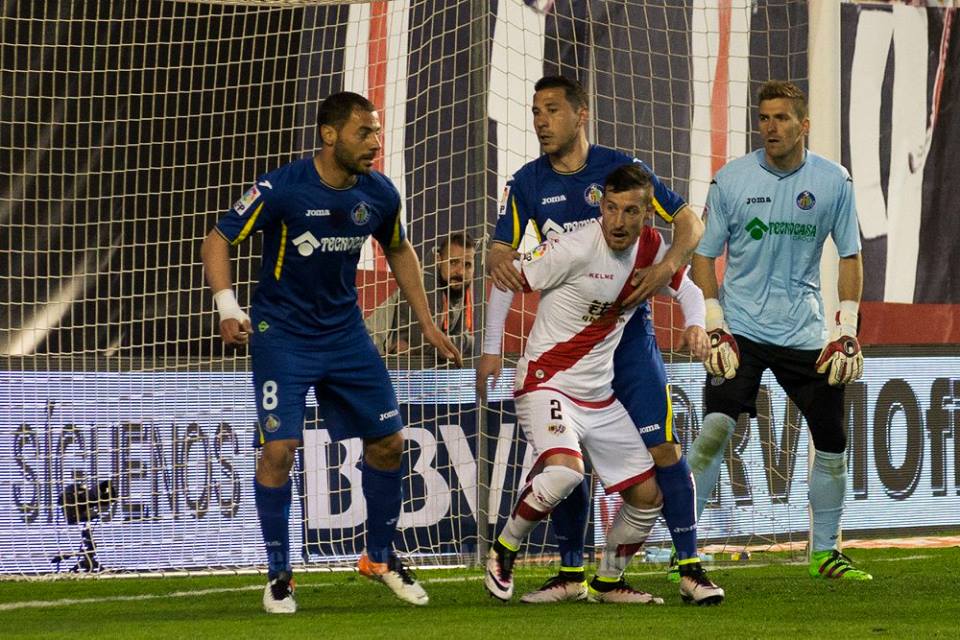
[846,227]
[717,226]
[551,262]
[252,212]
[666,202]
[513,214]
[391,233]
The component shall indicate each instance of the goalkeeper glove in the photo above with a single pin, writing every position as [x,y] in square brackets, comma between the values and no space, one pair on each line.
[841,355]
[724,355]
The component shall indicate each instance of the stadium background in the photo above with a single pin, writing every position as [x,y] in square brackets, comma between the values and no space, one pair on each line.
[131,126]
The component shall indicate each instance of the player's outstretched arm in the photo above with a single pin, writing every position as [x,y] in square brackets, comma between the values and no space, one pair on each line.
[687,231]
[234,323]
[500,259]
[406,271]
[841,358]
[489,364]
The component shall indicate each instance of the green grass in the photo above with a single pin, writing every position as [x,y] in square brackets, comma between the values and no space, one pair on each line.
[911,596]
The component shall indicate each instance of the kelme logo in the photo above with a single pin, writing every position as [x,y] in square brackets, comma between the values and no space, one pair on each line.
[263,326]
[756,228]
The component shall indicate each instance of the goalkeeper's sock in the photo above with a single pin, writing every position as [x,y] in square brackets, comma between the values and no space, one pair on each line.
[629,531]
[273,510]
[679,509]
[383,491]
[706,454]
[828,485]
[537,500]
[569,519]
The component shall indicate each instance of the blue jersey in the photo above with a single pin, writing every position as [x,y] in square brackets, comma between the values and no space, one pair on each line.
[774,225]
[312,237]
[559,202]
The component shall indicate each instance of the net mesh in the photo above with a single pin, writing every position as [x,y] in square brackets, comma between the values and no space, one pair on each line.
[128,128]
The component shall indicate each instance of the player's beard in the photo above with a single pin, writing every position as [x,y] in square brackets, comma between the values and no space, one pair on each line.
[351,164]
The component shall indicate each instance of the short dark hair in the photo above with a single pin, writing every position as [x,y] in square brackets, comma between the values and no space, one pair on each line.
[773,89]
[627,177]
[573,91]
[338,107]
[459,238]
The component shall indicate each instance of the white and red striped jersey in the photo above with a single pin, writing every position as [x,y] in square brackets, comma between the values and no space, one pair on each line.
[579,319]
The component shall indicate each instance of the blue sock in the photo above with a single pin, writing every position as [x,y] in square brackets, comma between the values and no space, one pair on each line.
[828,485]
[383,491]
[273,509]
[706,455]
[569,520]
[676,485]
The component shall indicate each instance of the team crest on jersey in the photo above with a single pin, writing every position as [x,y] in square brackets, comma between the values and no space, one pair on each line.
[806,200]
[247,199]
[592,194]
[361,213]
[271,424]
[556,428]
[502,209]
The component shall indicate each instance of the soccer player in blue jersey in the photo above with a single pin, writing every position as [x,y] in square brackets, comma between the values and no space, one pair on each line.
[559,192]
[305,329]
[773,209]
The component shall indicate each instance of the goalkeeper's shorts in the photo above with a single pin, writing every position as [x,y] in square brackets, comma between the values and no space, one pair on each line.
[354,394]
[796,372]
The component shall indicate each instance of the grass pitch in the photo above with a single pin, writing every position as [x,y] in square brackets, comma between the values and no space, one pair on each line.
[911,596]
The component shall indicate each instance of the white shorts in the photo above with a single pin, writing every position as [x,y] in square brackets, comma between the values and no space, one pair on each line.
[555,423]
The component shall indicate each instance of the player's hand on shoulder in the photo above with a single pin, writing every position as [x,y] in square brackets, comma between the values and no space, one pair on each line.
[648,280]
[236,331]
[500,267]
[841,358]
[489,364]
[697,342]
[443,344]
[724,356]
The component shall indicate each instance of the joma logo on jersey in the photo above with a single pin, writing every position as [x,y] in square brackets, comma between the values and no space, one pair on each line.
[759,200]
[649,428]
[389,414]
[554,199]
[311,213]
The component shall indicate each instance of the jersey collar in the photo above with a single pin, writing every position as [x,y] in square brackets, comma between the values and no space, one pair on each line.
[781,174]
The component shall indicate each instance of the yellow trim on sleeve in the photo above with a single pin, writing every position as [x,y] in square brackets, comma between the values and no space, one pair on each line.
[283,250]
[516,224]
[669,420]
[395,238]
[661,211]
[247,228]
[536,230]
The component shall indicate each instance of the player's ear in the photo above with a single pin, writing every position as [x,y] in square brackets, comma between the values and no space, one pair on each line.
[328,135]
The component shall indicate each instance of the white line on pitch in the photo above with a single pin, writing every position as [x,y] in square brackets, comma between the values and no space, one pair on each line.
[67,602]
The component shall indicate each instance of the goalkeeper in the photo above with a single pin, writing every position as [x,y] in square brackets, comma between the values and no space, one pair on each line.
[773,209]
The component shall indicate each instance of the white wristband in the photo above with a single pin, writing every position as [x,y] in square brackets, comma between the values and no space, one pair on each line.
[227,306]
[714,319]
[849,312]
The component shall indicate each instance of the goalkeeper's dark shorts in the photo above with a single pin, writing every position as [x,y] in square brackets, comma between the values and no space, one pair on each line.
[795,371]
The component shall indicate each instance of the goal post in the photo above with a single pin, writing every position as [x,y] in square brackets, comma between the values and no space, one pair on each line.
[130,127]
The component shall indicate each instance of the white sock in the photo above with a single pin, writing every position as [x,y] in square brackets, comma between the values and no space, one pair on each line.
[537,500]
[629,531]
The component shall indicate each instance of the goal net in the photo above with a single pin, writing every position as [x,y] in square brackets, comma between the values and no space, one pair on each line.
[130,127]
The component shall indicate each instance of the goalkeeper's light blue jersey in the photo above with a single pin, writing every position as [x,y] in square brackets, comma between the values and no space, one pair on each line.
[774,225]
[312,237]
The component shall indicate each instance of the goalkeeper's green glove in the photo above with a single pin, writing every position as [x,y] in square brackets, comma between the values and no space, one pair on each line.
[724,355]
[840,358]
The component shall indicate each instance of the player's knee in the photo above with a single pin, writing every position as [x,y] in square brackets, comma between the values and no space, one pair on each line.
[276,459]
[384,453]
[555,483]
[643,495]
[666,454]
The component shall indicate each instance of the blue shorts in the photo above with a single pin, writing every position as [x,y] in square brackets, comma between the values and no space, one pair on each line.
[640,382]
[353,391]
